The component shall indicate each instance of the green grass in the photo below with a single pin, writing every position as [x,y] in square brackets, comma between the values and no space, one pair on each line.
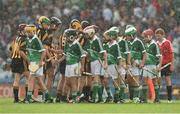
[7,106]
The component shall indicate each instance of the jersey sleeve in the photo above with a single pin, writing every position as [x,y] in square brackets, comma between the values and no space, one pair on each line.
[101,47]
[39,45]
[142,47]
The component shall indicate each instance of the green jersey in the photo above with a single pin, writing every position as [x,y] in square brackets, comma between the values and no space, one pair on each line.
[73,52]
[153,53]
[94,48]
[113,52]
[137,49]
[124,49]
[35,49]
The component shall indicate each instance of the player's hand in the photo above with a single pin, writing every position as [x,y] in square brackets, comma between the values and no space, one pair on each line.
[158,68]
[141,65]
[105,65]
[41,63]
[53,62]
[82,70]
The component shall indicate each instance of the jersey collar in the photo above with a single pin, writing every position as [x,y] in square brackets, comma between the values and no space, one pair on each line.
[133,40]
[151,42]
[160,43]
[114,42]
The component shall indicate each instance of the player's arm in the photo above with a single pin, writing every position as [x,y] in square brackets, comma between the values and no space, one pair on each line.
[23,55]
[40,50]
[119,57]
[102,51]
[144,54]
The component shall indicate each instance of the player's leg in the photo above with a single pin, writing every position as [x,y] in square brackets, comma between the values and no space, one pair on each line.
[145,85]
[122,85]
[106,85]
[134,74]
[95,69]
[156,89]
[44,88]
[16,87]
[27,75]
[116,81]
[30,88]
[167,73]
[73,84]
[50,78]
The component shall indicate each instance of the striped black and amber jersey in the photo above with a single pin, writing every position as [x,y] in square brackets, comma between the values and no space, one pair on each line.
[17,45]
[45,36]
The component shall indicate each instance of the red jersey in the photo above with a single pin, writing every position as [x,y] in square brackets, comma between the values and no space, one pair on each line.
[166,51]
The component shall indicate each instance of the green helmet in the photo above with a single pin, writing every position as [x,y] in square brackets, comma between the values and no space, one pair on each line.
[130,30]
[113,32]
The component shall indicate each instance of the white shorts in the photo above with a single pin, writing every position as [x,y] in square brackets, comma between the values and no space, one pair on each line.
[96,68]
[72,70]
[150,68]
[39,72]
[111,72]
[135,71]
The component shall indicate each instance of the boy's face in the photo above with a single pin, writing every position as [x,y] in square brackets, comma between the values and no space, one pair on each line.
[45,26]
[129,38]
[147,38]
[158,36]
[54,26]
[30,34]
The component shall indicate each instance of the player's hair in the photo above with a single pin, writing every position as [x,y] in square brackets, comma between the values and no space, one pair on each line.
[160,31]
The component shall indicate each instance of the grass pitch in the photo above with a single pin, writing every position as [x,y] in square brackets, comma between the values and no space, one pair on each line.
[7,106]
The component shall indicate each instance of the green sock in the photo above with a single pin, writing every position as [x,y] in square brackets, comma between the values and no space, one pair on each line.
[122,92]
[131,91]
[29,95]
[108,92]
[78,93]
[156,89]
[116,95]
[47,96]
[95,90]
[100,92]
[135,91]
[74,95]
[144,92]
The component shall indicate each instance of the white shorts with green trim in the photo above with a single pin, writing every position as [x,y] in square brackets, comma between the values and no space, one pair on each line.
[135,71]
[96,68]
[38,72]
[151,68]
[72,70]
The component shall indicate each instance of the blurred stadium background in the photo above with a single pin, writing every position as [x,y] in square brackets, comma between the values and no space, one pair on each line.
[104,13]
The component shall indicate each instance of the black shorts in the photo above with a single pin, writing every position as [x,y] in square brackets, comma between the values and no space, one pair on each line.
[62,67]
[166,71]
[17,65]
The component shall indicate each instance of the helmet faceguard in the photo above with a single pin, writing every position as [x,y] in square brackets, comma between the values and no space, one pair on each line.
[71,35]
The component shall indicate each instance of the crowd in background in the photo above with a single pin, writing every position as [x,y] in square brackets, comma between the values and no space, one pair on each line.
[104,13]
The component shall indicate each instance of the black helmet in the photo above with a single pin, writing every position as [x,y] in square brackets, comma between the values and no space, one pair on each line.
[70,34]
[84,24]
[55,20]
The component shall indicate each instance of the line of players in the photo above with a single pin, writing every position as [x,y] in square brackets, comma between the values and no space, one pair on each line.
[87,62]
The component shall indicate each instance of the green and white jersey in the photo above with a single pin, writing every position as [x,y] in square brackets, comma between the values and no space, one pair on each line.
[124,49]
[94,48]
[73,52]
[153,53]
[35,49]
[137,49]
[113,52]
